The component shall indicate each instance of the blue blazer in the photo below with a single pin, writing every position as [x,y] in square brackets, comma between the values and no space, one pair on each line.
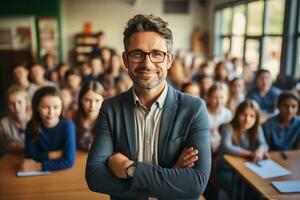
[184,124]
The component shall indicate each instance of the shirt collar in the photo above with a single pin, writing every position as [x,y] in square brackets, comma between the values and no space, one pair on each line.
[160,101]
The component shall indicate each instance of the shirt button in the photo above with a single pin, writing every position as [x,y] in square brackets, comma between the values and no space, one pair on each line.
[148,141]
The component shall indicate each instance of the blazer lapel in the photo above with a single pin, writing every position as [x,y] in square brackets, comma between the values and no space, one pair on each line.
[167,120]
[128,116]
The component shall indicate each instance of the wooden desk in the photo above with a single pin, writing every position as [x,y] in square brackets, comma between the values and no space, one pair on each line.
[263,186]
[66,184]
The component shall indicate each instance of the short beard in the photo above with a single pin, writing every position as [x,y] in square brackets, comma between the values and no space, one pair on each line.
[147,87]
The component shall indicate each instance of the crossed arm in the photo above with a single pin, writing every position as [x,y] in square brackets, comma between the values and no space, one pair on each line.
[106,169]
[118,163]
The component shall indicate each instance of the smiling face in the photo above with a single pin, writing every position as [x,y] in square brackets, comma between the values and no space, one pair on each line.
[147,75]
[247,119]
[50,109]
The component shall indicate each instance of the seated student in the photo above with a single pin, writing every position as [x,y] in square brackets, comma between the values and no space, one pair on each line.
[191,88]
[90,101]
[242,137]
[218,114]
[49,63]
[73,81]
[221,72]
[202,72]
[12,127]
[236,93]
[264,93]
[96,65]
[68,106]
[282,131]
[205,83]
[62,68]
[20,74]
[50,138]
[37,76]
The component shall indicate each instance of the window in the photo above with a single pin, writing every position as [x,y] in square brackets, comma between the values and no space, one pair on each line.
[297,58]
[252,31]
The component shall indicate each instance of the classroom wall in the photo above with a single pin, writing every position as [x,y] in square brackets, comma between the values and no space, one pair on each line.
[111,16]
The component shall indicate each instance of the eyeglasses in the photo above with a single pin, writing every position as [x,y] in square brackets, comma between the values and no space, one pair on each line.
[138,56]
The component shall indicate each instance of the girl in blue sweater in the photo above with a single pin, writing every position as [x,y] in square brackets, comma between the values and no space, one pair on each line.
[50,139]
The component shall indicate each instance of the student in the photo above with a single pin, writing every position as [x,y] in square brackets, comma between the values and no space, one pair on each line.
[73,81]
[37,75]
[62,68]
[264,93]
[204,70]
[12,127]
[90,101]
[218,114]
[49,63]
[242,137]
[20,74]
[68,105]
[96,65]
[50,138]
[282,131]
[205,83]
[106,55]
[191,88]
[236,93]
[221,72]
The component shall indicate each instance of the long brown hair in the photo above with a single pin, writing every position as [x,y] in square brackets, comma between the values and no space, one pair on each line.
[80,114]
[36,100]
[253,131]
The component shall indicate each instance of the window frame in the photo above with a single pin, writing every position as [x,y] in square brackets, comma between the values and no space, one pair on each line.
[218,50]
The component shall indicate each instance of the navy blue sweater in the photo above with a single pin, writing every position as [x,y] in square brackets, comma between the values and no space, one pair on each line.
[60,137]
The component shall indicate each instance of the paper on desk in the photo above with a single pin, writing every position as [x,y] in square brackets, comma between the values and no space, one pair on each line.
[32,173]
[267,169]
[287,186]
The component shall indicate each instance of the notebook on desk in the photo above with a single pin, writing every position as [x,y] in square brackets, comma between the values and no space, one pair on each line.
[267,169]
[33,173]
[287,186]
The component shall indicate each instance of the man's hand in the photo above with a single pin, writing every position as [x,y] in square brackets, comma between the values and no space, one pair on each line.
[54,155]
[28,165]
[118,164]
[187,158]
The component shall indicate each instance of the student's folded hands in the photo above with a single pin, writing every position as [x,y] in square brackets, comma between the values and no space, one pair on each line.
[28,165]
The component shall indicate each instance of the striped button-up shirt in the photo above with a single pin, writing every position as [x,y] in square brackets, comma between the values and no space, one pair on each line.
[147,126]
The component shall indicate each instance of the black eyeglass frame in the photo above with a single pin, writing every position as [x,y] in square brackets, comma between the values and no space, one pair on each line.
[145,54]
